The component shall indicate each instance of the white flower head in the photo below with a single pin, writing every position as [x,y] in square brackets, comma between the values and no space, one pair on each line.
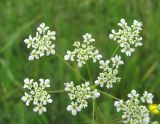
[127,36]
[37,94]
[79,95]
[83,51]
[134,112]
[42,44]
[109,73]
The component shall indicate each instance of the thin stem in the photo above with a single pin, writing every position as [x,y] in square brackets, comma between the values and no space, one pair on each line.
[57,91]
[93,111]
[115,51]
[115,120]
[61,58]
[109,95]
[101,114]
[89,73]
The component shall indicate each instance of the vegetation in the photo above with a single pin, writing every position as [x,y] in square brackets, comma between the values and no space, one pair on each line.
[71,19]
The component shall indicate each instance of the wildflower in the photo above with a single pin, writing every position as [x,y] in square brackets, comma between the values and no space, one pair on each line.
[153,108]
[128,36]
[147,97]
[42,43]
[109,73]
[134,112]
[73,108]
[83,51]
[79,95]
[117,61]
[37,94]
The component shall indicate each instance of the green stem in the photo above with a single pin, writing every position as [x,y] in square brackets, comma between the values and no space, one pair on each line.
[89,73]
[93,111]
[57,91]
[109,95]
[101,114]
[115,120]
[115,51]
[61,58]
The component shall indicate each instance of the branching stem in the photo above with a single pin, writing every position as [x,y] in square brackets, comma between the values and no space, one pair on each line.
[115,51]
[89,73]
[57,91]
[109,95]
[61,58]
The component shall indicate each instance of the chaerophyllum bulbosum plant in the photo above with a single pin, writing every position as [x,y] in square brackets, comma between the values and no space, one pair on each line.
[134,110]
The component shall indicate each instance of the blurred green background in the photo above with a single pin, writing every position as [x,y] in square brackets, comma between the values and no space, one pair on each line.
[71,19]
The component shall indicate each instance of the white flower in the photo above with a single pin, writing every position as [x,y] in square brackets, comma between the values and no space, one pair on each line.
[42,43]
[133,94]
[27,98]
[29,41]
[69,55]
[79,95]
[83,51]
[108,76]
[95,94]
[104,65]
[134,112]
[147,97]
[40,109]
[119,105]
[33,55]
[127,49]
[73,108]
[69,86]
[37,93]
[88,38]
[117,61]
[128,36]
[96,56]
[28,83]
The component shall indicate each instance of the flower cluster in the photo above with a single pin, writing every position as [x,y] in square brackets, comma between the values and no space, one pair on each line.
[37,94]
[108,76]
[83,51]
[79,95]
[42,43]
[128,36]
[133,111]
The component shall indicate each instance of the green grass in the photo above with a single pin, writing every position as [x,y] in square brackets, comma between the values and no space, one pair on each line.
[71,19]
